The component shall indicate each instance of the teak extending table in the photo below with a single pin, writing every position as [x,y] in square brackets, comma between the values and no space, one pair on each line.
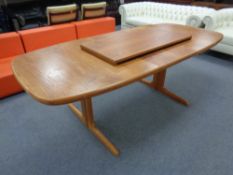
[64,73]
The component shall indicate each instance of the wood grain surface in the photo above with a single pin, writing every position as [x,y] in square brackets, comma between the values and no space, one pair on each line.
[124,45]
[64,73]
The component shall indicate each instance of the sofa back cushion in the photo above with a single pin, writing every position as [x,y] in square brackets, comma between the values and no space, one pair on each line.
[165,11]
[224,18]
[46,36]
[174,12]
[10,45]
[94,27]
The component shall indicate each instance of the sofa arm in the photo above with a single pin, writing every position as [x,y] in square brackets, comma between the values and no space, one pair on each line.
[210,21]
[195,21]
[197,16]
[122,12]
[131,10]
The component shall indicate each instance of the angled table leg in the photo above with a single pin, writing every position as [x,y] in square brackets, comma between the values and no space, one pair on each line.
[158,84]
[86,116]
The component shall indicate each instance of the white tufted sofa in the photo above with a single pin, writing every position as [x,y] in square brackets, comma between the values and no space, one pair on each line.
[222,21]
[144,13]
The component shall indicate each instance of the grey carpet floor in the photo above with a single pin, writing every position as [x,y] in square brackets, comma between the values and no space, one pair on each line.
[155,134]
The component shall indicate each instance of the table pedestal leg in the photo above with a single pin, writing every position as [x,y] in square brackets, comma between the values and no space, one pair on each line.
[86,116]
[158,84]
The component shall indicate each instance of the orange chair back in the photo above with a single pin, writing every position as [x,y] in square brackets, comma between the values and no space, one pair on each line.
[92,27]
[10,45]
[47,36]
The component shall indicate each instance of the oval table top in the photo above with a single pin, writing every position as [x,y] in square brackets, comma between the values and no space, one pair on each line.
[64,73]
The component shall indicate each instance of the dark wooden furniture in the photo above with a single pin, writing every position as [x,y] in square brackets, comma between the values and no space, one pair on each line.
[214,5]
[31,13]
[64,73]
[177,1]
[3,21]
[165,1]
[28,14]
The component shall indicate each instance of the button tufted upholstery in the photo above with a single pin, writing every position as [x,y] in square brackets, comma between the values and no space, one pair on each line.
[143,13]
[222,21]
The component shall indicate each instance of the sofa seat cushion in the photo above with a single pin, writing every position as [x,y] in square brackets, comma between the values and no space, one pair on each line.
[228,35]
[142,20]
[5,65]
[47,36]
[92,27]
[139,20]
[8,83]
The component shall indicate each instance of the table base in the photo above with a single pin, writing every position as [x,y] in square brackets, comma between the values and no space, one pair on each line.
[86,114]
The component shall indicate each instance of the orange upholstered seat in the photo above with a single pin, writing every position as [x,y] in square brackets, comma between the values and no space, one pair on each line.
[10,46]
[94,27]
[46,36]
[8,83]
[13,44]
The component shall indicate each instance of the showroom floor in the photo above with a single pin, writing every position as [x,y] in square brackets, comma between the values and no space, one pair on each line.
[165,138]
